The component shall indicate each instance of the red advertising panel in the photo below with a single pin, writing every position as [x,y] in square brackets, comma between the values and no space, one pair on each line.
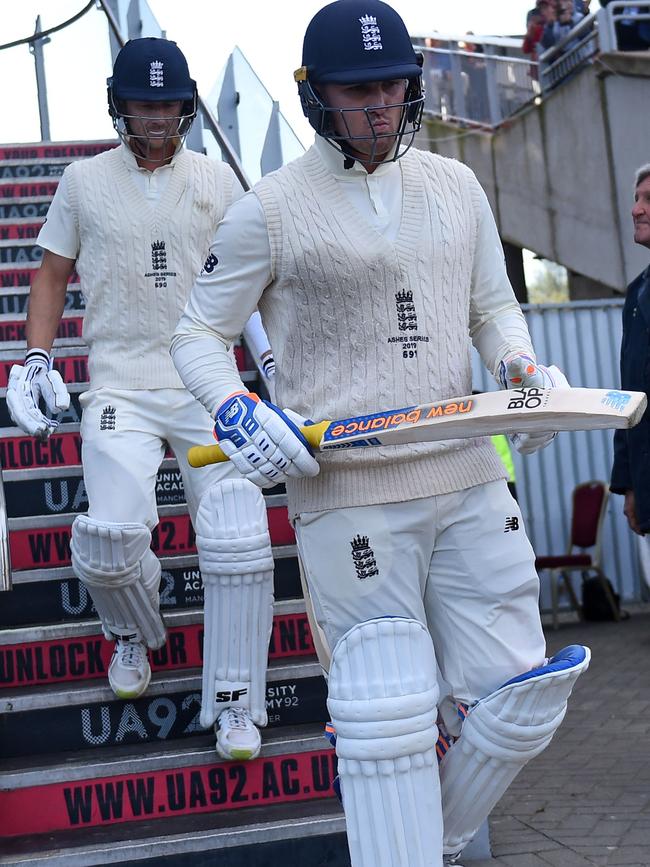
[15,329]
[174,535]
[19,231]
[209,788]
[88,657]
[51,150]
[28,189]
[23,452]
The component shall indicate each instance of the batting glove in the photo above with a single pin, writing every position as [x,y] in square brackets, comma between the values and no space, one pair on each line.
[262,441]
[520,371]
[27,386]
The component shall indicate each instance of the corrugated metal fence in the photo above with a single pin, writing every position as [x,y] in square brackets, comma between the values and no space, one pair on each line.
[583,338]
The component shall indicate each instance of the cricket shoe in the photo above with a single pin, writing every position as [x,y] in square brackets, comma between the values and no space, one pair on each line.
[129,672]
[238,737]
[450,861]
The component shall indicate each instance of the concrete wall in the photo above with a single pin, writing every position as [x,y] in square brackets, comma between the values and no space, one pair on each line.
[560,176]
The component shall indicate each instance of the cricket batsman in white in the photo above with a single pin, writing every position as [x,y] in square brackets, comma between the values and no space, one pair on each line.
[375,267]
[137,222]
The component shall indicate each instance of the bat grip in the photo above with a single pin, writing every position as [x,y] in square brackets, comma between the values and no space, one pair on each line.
[202,456]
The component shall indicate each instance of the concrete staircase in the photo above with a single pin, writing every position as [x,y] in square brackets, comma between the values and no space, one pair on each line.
[87,779]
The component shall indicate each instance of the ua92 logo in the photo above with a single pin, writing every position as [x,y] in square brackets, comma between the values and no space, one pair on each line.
[210,264]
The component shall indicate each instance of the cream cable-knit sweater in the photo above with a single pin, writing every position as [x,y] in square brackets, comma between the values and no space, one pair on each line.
[358,324]
[138,260]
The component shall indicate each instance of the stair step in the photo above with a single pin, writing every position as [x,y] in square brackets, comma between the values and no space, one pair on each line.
[63,653]
[312,834]
[72,361]
[21,227]
[50,491]
[14,295]
[83,719]
[23,209]
[295,765]
[12,329]
[26,251]
[43,541]
[73,414]
[27,189]
[26,169]
[54,595]
[51,150]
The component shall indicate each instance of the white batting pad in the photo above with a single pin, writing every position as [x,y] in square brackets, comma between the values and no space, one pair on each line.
[382,700]
[501,734]
[122,575]
[236,562]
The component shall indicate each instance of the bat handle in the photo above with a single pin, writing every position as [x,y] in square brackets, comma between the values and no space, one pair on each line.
[202,456]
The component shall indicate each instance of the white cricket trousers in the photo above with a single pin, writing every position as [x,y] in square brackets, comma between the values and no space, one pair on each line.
[459,563]
[124,438]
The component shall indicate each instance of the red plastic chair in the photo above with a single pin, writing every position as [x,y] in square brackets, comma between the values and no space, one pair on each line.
[589,503]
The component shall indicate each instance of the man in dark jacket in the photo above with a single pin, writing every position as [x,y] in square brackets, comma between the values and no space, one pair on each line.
[631,471]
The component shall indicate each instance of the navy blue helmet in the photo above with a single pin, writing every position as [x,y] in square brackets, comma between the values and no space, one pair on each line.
[354,42]
[151,70]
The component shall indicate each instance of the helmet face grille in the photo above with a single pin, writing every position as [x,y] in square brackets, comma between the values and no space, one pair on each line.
[323,119]
[142,144]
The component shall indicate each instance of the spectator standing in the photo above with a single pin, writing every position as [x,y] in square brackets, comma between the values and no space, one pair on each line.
[632,34]
[631,470]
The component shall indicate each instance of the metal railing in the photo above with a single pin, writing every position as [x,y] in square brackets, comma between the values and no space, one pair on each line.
[486,86]
[570,53]
[618,20]
[474,86]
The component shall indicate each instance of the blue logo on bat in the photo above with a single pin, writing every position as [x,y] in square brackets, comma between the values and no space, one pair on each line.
[617,400]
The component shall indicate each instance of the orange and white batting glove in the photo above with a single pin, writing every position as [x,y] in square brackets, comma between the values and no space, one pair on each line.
[521,371]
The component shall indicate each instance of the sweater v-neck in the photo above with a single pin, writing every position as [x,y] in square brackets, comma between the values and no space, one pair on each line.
[372,240]
[162,208]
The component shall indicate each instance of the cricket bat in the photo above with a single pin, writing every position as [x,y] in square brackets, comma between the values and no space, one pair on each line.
[517,410]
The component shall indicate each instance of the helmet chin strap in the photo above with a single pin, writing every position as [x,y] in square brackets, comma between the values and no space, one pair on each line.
[139,147]
[320,117]
[352,155]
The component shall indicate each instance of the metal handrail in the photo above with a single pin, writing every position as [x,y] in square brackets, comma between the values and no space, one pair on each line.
[5,554]
[619,10]
[460,53]
[570,52]
[505,86]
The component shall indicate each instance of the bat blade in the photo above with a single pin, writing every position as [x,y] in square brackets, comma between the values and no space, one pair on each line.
[512,411]
[519,410]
